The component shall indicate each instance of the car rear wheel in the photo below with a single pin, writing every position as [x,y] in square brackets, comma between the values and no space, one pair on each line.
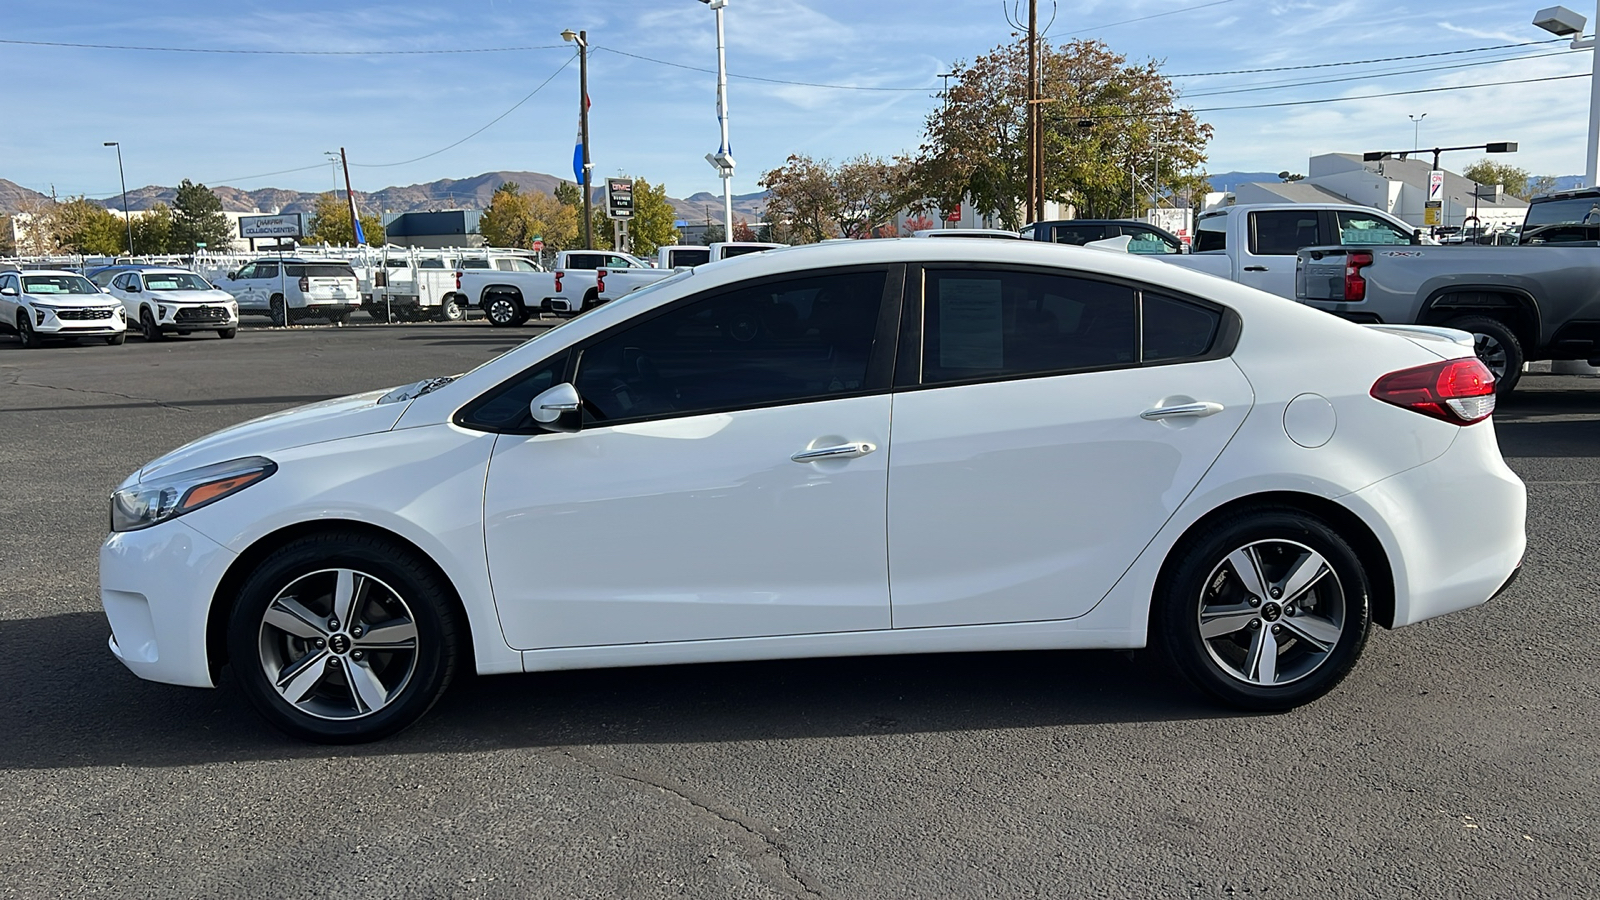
[1266,610]
[1497,347]
[280,310]
[343,638]
[504,310]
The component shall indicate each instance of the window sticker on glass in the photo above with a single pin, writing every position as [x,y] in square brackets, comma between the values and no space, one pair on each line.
[970,328]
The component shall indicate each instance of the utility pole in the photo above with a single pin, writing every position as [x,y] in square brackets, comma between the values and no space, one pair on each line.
[126,216]
[582,39]
[1034,188]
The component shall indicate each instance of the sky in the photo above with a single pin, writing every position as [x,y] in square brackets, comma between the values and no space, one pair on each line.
[843,77]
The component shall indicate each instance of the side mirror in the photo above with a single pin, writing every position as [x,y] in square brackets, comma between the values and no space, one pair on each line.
[558,409]
[106,290]
[8,291]
[233,276]
[132,288]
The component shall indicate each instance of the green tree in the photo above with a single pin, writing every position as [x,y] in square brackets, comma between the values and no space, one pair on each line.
[516,219]
[81,226]
[1489,172]
[568,194]
[1541,184]
[197,219]
[152,230]
[330,223]
[1111,132]
[652,225]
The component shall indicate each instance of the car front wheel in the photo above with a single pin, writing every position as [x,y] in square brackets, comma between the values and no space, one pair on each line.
[343,638]
[503,310]
[1266,611]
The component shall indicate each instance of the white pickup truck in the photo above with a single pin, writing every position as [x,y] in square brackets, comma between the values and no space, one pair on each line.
[421,286]
[573,285]
[1256,244]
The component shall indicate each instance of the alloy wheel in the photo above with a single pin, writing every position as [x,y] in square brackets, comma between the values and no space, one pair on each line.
[1490,353]
[1271,612]
[338,644]
[501,311]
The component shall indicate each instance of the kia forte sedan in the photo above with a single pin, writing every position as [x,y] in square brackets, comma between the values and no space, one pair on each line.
[868,447]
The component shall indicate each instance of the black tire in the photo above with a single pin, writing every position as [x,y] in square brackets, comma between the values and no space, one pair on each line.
[1216,630]
[379,314]
[116,339]
[227,334]
[450,310]
[1497,347]
[340,319]
[279,311]
[591,299]
[504,310]
[25,332]
[148,327]
[401,590]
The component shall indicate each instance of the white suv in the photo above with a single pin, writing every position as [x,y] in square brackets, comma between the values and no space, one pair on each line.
[289,290]
[49,303]
[162,300]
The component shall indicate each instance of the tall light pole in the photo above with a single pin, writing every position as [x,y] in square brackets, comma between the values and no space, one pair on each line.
[582,39]
[1416,130]
[126,218]
[722,160]
[1563,22]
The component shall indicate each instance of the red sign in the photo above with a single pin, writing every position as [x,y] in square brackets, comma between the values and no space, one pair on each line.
[538,245]
[953,215]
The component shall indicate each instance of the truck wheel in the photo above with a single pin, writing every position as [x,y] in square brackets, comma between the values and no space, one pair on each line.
[1496,346]
[450,310]
[504,310]
[379,314]
[280,311]
[590,300]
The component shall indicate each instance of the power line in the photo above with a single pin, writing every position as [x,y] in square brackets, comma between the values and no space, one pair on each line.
[1370,75]
[277,52]
[837,87]
[1363,62]
[1170,12]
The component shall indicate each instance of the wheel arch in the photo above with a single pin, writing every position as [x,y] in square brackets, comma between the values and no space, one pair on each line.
[489,290]
[226,594]
[1350,526]
[1513,306]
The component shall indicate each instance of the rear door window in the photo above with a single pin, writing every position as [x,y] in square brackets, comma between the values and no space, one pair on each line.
[1078,234]
[1145,242]
[1282,232]
[1211,233]
[1360,228]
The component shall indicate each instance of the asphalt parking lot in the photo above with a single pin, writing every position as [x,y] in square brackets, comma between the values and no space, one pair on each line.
[1460,759]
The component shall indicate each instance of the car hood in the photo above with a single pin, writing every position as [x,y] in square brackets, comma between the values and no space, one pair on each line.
[328,420]
[73,301]
[213,296]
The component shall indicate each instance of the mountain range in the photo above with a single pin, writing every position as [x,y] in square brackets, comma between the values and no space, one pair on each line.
[446,193]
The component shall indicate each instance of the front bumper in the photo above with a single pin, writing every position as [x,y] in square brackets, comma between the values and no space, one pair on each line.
[156,586]
[198,317]
[68,322]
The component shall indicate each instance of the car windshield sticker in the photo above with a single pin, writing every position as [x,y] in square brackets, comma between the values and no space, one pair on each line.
[970,324]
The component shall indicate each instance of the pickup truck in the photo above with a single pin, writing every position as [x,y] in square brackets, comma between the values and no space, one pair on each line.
[1256,244]
[1534,301]
[573,285]
[419,286]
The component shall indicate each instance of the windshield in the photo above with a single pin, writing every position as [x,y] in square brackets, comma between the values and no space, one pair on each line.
[58,284]
[1565,211]
[175,281]
[731,252]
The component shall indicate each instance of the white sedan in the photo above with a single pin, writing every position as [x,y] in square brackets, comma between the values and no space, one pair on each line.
[1087,450]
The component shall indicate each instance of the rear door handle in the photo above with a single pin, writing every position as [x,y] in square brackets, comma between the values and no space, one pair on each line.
[1182,411]
[842,451]
[1255,268]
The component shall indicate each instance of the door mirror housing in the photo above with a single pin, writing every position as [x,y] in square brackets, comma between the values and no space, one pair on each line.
[8,291]
[133,288]
[558,409]
[106,290]
[234,275]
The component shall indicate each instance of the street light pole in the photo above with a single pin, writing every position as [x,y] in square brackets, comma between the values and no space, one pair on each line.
[722,160]
[1416,130]
[1563,22]
[126,218]
[582,40]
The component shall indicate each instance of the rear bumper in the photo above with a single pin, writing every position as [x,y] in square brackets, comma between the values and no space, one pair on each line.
[1454,528]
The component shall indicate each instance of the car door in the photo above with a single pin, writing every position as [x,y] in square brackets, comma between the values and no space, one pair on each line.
[9,303]
[1267,258]
[1042,438]
[242,288]
[728,480]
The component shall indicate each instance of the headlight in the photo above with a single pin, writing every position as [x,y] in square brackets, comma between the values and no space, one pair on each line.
[169,496]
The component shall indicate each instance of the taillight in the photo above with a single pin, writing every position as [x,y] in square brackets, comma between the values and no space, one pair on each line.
[1458,391]
[558,281]
[458,280]
[600,282]
[305,284]
[1355,287]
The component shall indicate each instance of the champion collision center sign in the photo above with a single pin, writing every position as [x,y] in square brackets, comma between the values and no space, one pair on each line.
[290,225]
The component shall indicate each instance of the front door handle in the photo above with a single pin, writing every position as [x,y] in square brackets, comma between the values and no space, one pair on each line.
[842,451]
[1255,268]
[1182,411]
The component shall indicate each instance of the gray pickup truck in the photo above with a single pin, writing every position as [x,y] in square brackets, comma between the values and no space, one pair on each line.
[1537,300]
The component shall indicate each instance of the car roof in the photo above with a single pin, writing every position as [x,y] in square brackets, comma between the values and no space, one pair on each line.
[31,272]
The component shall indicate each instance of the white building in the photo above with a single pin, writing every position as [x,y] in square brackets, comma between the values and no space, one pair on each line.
[1396,186]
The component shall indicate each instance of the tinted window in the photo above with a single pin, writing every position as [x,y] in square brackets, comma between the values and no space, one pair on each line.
[1566,211]
[1174,329]
[475,264]
[263,270]
[584,261]
[757,345]
[981,324]
[1282,232]
[1078,234]
[320,271]
[102,279]
[731,252]
[1360,228]
[508,408]
[1211,234]
[688,257]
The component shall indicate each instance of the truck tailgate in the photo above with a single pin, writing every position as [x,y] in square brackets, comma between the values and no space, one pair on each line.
[1319,273]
